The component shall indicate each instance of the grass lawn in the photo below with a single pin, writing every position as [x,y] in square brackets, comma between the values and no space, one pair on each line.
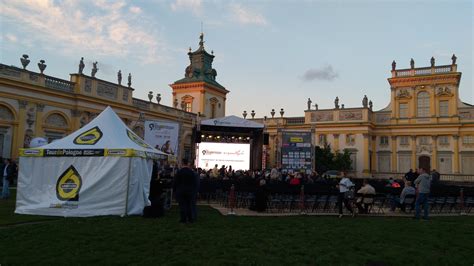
[216,239]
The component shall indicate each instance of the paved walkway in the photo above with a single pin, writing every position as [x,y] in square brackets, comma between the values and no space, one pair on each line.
[387,213]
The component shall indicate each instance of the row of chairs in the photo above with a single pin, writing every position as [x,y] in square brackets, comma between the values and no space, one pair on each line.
[327,203]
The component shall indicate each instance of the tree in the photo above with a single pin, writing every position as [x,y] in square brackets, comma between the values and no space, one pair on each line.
[326,160]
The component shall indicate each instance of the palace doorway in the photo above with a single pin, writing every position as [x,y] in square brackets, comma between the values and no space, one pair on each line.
[424,162]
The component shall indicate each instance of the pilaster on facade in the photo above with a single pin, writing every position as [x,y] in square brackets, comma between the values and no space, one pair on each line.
[366,170]
[456,169]
[39,118]
[394,153]
[336,142]
[413,152]
[434,152]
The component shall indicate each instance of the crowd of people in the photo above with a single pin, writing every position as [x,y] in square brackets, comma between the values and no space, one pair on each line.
[415,188]
[185,184]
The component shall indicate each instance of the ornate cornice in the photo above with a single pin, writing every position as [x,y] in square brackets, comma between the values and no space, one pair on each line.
[423,80]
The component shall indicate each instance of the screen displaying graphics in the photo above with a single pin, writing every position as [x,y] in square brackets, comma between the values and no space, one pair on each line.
[211,153]
[296,151]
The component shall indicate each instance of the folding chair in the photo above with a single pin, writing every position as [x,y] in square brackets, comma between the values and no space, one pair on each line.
[368,199]
[409,201]
[379,203]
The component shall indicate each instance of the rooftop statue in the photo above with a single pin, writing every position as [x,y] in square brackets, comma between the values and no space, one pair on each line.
[81,65]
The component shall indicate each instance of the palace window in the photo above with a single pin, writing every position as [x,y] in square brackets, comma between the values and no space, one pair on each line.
[189,107]
[468,139]
[443,140]
[403,107]
[404,140]
[350,139]
[443,108]
[424,140]
[187,102]
[383,140]
[322,139]
[423,104]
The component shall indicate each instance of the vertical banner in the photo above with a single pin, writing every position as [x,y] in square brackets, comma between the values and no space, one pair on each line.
[162,136]
[296,152]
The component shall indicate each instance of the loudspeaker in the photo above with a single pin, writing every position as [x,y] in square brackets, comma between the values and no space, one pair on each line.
[266,138]
[198,137]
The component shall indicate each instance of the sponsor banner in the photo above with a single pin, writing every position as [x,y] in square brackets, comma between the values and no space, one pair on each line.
[72,152]
[89,152]
[89,137]
[296,152]
[212,153]
[162,136]
[31,152]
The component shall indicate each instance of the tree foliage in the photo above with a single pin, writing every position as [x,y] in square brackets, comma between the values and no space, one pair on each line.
[326,160]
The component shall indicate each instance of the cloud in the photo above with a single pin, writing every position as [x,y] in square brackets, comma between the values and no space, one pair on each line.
[101,28]
[11,38]
[245,15]
[135,9]
[323,73]
[194,5]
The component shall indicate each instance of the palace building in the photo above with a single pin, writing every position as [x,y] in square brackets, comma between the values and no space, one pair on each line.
[425,124]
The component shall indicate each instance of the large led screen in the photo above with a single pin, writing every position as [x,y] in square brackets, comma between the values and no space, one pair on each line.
[211,153]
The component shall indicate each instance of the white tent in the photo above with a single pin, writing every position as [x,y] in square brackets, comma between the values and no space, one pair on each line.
[101,169]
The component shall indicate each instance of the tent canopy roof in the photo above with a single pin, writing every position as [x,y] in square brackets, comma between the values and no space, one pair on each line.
[106,132]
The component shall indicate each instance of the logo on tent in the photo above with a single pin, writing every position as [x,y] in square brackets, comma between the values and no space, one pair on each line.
[137,139]
[69,184]
[90,137]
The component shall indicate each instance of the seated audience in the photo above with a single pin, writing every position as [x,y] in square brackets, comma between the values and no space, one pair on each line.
[366,189]
[399,201]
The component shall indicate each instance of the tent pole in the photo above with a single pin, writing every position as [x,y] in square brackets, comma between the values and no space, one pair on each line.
[128,183]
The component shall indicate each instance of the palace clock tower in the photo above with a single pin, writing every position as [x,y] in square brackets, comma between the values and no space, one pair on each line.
[198,91]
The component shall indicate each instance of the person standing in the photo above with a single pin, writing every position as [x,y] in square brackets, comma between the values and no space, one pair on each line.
[345,186]
[8,172]
[185,185]
[423,184]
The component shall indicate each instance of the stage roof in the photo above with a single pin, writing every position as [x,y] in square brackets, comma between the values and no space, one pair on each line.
[231,121]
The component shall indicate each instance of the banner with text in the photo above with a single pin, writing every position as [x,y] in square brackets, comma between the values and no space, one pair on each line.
[162,136]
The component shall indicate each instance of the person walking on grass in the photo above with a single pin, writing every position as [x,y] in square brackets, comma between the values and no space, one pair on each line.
[345,195]
[8,172]
[185,186]
[423,185]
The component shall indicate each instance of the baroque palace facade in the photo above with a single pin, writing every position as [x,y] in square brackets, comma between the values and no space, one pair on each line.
[425,124]
[37,105]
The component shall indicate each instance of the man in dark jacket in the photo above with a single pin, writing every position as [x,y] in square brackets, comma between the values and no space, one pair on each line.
[8,172]
[185,186]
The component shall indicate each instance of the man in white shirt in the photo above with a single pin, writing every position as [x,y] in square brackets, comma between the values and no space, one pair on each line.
[344,186]
[366,189]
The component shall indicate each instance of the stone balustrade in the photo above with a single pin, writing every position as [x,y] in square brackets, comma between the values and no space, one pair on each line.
[424,71]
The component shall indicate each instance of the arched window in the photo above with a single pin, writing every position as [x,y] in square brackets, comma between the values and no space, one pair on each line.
[423,108]
[56,120]
[214,103]
[6,114]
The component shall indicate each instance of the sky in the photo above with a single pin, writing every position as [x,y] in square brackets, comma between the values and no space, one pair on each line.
[268,54]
